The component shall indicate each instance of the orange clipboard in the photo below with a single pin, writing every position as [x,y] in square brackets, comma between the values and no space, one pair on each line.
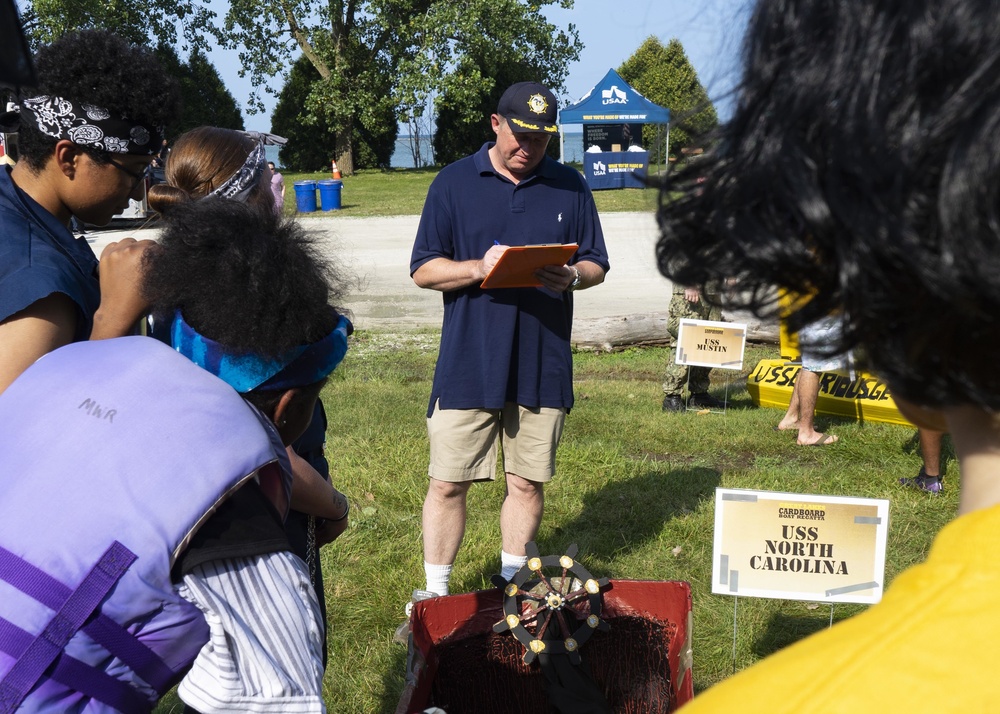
[516,267]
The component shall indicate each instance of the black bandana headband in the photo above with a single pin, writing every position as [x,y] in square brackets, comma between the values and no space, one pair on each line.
[87,125]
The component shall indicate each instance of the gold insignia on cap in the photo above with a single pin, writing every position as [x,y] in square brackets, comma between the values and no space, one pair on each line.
[537,103]
[525,125]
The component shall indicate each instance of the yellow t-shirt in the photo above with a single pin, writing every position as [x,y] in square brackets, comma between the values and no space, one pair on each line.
[929,646]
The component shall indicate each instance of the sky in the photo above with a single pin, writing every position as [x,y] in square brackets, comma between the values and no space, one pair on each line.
[611,31]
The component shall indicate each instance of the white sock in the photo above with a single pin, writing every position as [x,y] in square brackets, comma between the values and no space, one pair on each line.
[437,577]
[510,564]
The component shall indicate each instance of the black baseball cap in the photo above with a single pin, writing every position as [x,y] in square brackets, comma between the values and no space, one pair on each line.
[529,106]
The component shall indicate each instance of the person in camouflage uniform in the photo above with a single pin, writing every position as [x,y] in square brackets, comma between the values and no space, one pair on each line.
[686,303]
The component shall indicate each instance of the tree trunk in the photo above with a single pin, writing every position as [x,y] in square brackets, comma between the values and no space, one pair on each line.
[344,150]
[607,334]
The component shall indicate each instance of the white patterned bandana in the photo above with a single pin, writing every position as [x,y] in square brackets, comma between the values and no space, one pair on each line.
[87,125]
[238,186]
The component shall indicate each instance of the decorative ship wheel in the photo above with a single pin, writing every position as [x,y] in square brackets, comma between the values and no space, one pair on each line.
[549,595]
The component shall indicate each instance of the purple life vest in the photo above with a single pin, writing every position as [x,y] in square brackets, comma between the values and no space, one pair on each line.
[112,454]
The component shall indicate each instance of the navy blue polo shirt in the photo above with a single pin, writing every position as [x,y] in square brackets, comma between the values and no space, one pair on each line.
[39,257]
[507,344]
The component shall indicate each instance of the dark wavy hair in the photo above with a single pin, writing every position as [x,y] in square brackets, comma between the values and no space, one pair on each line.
[861,168]
[242,277]
[100,68]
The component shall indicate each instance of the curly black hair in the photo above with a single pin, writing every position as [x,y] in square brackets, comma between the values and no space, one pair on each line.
[242,277]
[861,170]
[100,68]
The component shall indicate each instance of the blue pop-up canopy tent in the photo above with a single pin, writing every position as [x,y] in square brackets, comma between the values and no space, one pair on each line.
[612,101]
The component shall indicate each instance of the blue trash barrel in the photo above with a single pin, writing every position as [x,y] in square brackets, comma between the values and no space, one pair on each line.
[329,194]
[305,196]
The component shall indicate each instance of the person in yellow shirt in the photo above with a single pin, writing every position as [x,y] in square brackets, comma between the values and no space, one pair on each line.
[861,167]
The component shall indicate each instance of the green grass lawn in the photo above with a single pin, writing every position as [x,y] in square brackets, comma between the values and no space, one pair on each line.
[634,484]
[401,192]
[634,490]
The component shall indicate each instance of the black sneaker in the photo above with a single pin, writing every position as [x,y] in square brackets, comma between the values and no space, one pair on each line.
[930,484]
[705,401]
[673,403]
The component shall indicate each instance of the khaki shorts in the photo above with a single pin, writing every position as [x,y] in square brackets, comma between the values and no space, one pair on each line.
[464,442]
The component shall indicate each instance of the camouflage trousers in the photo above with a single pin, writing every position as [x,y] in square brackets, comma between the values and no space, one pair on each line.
[677,375]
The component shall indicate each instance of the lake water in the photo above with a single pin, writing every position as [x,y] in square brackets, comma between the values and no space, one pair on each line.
[402,156]
[271,152]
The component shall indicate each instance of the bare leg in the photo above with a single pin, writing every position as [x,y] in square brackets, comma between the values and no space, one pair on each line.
[443,529]
[791,419]
[808,386]
[930,450]
[521,513]
[444,520]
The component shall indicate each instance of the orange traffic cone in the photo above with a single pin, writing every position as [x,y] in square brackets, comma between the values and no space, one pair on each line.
[336,171]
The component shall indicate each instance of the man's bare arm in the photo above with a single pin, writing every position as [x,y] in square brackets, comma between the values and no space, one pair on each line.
[445,275]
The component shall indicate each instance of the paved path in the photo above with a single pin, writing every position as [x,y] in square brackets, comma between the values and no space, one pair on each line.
[375,254]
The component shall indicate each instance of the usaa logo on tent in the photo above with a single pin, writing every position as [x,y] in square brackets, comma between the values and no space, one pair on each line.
[613,96]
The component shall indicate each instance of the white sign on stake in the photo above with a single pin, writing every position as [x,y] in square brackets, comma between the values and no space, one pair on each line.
[799,547]
[705,343]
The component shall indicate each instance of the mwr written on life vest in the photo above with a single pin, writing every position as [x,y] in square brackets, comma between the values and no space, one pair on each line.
[97,411]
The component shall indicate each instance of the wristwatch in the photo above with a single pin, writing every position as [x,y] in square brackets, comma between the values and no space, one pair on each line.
[576,279]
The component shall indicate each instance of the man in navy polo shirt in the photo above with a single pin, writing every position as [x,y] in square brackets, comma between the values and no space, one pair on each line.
[505,369]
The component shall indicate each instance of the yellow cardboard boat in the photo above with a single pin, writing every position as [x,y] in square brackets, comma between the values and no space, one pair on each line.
[863,396]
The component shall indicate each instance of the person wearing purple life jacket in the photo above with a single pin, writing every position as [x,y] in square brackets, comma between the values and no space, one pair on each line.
[145,546]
